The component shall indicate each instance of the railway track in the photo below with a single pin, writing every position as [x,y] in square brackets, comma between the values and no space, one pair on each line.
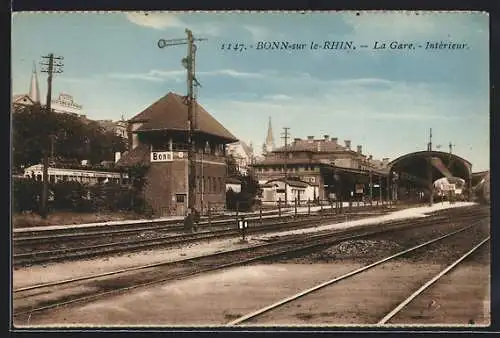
[67,235]
[288,302]
[73,247]
[39,298]
[107,245]
[27,237]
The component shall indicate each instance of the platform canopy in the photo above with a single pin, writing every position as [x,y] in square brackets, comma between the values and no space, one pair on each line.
[414,166]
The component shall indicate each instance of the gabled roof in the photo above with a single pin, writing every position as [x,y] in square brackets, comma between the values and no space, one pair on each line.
[312,146]
[291,161]
[292,183]
[171,113]
[246,148]
[22,99]
[140,154]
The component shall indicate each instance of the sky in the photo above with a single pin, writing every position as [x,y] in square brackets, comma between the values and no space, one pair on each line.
[383,99]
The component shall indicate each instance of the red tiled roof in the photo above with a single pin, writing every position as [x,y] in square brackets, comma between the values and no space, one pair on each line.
[292,183]
[140,154]
[291,161]
[312,146]
[170,112]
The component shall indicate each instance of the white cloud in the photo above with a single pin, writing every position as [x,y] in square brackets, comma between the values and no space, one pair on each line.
[231,73]
[153,75]
[411,26]
[313,106]
[162,20]
[156,75]
[156,20]
[261,33]
[77,79]
[391,23]
[208,29]
[278,97]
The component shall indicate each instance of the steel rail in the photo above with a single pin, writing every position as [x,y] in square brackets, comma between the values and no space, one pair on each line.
[405,302]
[288,250]
[108,248]
[61,282]
[343,277]
[135,245]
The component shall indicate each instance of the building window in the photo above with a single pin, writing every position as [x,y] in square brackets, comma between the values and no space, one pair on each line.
[180,198]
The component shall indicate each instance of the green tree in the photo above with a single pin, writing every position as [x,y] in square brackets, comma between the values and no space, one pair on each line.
[75,139]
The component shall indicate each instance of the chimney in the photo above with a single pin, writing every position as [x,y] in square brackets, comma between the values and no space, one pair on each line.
[359,148]
[118,155]
[297,139]
[334,140]
[310,138]
[347,144]
[326,137]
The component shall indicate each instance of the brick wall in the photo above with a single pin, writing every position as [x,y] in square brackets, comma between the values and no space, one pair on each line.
[214,186]
[158,190]
[167,181]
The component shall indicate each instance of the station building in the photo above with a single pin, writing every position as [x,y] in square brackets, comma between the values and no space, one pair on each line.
[321,169]
[274,190]
[421,172]
[158,139]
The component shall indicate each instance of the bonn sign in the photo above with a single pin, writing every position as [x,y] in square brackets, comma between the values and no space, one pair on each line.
[162,156]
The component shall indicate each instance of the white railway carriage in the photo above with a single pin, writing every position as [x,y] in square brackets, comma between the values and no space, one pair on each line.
[78,175]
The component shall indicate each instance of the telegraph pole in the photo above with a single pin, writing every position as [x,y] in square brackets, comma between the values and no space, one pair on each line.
[50,70]
[451,147]
[189,63]
[285,137]
[429,145]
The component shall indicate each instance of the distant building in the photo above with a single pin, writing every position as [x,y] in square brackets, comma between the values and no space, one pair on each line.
[63,104]
[242,154]
[269,144]
[33,97]
[445,185]
[119,127]
[274,190]
[333,169]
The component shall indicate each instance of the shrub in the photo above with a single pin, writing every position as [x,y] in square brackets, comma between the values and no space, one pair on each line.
[26,194]
[70,195]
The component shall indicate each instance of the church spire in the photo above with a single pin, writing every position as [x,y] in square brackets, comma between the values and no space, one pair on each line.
[269,145]
[34,90]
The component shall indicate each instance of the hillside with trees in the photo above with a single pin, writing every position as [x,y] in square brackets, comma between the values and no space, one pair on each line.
[73,139]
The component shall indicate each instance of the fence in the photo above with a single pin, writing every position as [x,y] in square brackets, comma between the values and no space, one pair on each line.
[297,209]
